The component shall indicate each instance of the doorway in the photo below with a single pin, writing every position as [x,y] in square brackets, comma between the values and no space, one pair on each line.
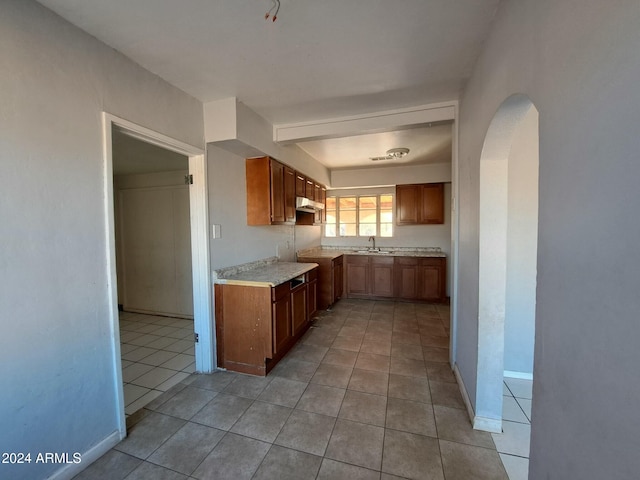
[507,256]
[153,267]
[198,221]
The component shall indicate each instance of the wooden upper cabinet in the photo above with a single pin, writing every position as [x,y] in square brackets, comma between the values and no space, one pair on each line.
[407,200]
[323,214]
[289,194]
[272,188]
[265,191]
[310,190]
[301,185]
[432,210]
[420,204]
[277,192]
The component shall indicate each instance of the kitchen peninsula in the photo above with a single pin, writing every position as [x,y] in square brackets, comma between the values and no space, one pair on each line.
[262,309]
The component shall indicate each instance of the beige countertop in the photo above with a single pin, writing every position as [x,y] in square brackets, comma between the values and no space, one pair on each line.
[265,274]
[333,252]
[320,254]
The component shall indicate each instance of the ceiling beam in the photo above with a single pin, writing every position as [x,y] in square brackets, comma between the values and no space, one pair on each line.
[384,121]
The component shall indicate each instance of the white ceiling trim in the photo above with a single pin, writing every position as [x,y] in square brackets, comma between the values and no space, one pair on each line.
[388,120]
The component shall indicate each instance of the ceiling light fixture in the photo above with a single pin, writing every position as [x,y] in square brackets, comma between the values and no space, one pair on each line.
[392,154]
[398,152]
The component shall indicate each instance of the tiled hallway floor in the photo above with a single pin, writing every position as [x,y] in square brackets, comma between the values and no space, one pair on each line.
[157,353]
[366,394]
[513,442]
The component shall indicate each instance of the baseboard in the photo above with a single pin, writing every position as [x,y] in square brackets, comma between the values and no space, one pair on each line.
[485,424]
[71,470]
[463,392]
[491,425]
[522,375]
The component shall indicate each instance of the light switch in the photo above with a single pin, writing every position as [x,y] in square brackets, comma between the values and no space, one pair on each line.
[216,231]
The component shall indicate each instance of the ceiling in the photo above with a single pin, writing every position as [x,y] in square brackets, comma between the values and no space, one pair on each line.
[319,60]
[426,145]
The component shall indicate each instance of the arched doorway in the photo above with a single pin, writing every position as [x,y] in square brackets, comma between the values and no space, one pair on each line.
[507,254]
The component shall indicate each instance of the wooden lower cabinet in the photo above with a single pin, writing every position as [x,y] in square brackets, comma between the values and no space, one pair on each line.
[358,276]
[432,279]
[401,278]
[299,308]
[338,279]
[256,326]
[382,281]
[406,277]
[312,293]
[281,318]
[330,279]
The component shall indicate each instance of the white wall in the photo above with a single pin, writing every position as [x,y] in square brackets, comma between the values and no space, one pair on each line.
[153,243]
[234,127]
[371,177]
[522,247]
[57,346]
[579,66]
[241,243]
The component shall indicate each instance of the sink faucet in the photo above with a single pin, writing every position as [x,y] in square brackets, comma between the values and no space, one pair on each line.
[372,239]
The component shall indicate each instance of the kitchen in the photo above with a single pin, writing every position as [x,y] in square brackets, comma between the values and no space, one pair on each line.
[239,243]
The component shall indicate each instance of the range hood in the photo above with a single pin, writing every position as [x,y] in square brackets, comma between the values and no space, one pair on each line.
[305,205]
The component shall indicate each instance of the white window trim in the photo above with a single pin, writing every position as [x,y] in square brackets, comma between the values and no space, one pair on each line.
[378,216]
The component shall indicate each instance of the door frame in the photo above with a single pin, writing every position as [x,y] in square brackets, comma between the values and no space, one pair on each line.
[200,256]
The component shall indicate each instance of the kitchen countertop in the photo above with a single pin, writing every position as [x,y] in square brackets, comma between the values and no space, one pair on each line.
[265,273]
[321,254]
[334,252]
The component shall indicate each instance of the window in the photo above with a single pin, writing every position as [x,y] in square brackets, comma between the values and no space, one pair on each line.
[362,216]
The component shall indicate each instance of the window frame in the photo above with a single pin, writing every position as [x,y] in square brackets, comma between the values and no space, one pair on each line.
[357,209]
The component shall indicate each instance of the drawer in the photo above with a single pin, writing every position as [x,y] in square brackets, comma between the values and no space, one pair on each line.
[432,262]
[409,261]
[280,291]
[381,260]
[358,259]
[312,275]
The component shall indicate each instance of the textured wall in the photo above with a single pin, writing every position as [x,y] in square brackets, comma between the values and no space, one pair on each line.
[579,63]
[57,345]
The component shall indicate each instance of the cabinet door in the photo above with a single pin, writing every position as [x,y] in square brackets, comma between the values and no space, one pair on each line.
[407,201]
[406,274]
[432,280]
[323,200]
[317,195]
[258,177]
[289,194]
[281,323]
[338,279]
[310,190]
[299,308]
[301,185]
[277,192]
[382,276]
[357,275]
[432,203]
[312,299]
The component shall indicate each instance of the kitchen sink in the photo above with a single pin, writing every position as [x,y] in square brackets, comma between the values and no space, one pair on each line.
[376,251]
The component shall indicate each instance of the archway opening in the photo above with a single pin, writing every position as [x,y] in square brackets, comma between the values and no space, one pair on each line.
[507,256]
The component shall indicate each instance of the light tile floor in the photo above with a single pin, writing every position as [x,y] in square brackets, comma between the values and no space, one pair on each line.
[157,353]
[513,443]
[366,394]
